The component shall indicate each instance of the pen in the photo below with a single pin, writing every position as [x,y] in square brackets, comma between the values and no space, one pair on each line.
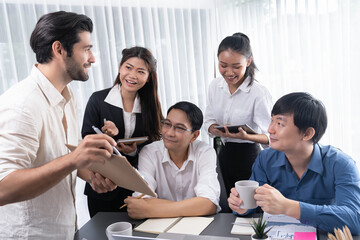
[98,131]
[136,198]
[104,125]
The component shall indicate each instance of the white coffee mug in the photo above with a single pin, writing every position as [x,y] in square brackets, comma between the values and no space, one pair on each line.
[246,190]
[120,228]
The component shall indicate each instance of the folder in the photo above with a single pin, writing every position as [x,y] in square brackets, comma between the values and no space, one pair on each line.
[121,172]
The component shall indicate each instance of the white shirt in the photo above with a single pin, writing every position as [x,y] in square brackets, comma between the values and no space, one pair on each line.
[247,105]
[197,176]
[114,98]
[31,135]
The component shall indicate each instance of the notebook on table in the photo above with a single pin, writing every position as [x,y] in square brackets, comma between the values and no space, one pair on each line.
[184,225]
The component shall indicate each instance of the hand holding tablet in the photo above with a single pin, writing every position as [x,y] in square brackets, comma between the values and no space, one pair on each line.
[235,128]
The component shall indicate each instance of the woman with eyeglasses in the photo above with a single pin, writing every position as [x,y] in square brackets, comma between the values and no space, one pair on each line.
[236,98]
[131,108]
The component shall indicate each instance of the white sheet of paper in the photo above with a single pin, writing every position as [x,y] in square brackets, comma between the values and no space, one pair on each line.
[279,218]
[191,225]
[243,230]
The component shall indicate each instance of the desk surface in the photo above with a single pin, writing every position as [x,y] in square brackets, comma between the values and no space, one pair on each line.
[221,226]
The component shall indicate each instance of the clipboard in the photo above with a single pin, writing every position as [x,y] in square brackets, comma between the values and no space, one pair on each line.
[121,172]
[235,128]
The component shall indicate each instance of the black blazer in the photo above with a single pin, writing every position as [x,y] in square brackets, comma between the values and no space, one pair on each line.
[96,110]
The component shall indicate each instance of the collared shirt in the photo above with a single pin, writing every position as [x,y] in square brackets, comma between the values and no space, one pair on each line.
[31,135]
[114,98]
[247,105]
[197,176]
[328,191]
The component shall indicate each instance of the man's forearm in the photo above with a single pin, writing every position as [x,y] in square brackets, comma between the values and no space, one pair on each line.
[25,184]
[197,206]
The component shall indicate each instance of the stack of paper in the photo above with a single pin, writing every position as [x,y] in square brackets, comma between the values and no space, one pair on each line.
[285,227]
[242,226]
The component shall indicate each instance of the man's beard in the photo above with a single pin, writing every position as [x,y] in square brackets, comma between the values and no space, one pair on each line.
[75,71]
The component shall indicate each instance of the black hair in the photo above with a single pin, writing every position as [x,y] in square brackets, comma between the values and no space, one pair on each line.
[240,43]
[307,110]
[149,99]
[193,113]
[58,26]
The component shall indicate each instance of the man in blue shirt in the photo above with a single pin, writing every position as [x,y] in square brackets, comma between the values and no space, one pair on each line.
[319,185]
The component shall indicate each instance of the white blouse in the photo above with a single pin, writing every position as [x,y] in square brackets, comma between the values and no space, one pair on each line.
[114,98]
[247,105]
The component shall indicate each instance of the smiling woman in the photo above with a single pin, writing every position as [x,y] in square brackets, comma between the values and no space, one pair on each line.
[236,98]
[130,108]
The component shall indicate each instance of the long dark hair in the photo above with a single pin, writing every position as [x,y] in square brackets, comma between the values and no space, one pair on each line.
[149,99]
[240,43]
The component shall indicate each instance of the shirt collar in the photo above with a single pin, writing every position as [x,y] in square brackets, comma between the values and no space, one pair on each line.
[244,87]
[114,98]
[191,155]
[51,93]
[281,161]
[315,164]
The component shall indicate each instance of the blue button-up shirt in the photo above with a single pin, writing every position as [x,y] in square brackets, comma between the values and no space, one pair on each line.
[328,191]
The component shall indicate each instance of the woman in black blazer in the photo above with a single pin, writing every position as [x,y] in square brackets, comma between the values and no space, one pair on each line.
[131,108]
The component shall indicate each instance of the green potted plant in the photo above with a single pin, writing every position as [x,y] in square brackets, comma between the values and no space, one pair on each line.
[259,228]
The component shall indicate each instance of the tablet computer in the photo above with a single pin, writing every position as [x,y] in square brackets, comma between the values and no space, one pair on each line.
[129,141]
[235,128]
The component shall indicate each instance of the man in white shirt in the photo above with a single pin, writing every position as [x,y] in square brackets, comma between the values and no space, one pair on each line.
[38,117]
[180,169]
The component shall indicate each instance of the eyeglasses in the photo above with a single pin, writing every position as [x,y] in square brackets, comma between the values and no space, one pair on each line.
[166,124]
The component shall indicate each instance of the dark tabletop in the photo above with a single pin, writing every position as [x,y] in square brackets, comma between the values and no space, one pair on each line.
[94,229]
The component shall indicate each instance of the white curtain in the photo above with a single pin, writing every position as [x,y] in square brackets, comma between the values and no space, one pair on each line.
[180,34]
[305,45]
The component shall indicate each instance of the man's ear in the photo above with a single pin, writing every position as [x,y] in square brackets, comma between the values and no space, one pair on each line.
[309,133]
[195,135]
[57,49]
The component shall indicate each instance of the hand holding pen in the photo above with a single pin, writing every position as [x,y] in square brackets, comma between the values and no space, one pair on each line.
[110,128]
[98,131]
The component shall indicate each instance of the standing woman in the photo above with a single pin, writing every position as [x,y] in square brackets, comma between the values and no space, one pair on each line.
[237,98]
[131,108]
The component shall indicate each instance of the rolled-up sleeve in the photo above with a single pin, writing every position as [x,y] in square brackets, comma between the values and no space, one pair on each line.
[18,140]
[147,169]
[208,185]
[262,112]
[210,117]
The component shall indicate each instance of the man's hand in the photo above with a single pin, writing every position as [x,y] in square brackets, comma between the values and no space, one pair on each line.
[93,148]
[272,201]
[234,202]
[101,184]
[137,208]
[110,129]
